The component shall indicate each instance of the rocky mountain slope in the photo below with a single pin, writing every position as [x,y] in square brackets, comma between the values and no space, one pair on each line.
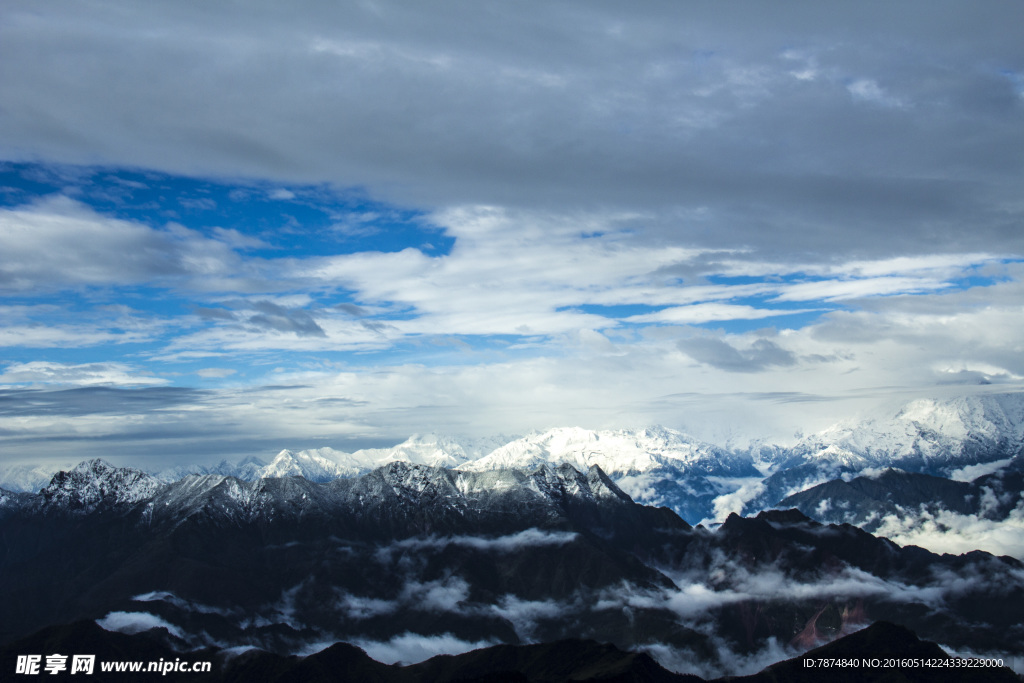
[927,436]
[962,438]
[408,558]
[555,662]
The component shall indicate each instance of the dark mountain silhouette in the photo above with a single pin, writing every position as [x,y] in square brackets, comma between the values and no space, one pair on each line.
[499,557]
[554,662]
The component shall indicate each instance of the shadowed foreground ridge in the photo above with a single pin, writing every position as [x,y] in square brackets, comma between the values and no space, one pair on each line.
[555,662]
[410,560]
[881,640]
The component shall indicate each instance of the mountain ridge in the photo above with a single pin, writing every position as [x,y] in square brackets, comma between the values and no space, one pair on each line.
[553,662]
[700,481]
[501,556]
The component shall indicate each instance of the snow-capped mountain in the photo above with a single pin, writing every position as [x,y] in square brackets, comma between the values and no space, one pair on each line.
[12,501]
[22,478]
[501,556]
[247,469]
[325,464]
[95,483]
[614,451]
[655,466]
[926,436]
[433,450]
[321,464]
[393,491]
[963,437]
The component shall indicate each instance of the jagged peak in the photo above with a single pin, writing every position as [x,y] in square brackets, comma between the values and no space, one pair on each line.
[603,487]
[790,516]
[622,451]
[95,482]
[95,466]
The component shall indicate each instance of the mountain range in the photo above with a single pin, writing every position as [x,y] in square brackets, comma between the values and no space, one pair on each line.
[567,660]
[958,440]
[409,560]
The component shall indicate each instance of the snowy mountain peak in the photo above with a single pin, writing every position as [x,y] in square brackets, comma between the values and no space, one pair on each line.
[927,434]
[314,465]
[96,483]
[247,469]
[394,490]
[614,451]
[29,478]
[433,450]
[566,481]
[422,449]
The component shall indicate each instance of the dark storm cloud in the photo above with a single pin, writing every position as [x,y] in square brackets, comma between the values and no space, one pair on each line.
[801,131]
[137,426]
[215,314]
[720,354]
[351,309]
[271,316]
[94,400]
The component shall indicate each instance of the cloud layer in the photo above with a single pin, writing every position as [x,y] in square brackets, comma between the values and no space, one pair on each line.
[339,225]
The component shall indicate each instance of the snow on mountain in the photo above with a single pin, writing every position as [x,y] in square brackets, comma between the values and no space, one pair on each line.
[247,470]
[95,483]
[659,466]
[324,464]
[616,452]
[320,464]
[28,478]
[397,489]
[13,500]
[433,450]
[926,435]
[654,466]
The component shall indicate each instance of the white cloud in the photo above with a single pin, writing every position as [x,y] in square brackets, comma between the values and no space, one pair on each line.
[728,662]
[360,607]
[443,595]
[136,622]
[58,325]
[950,532]
[803,379]
[609,160]
[501,544]
[936,265]
[180,603]
[839,290]
[66,336]
[524,614]
[868,90]
[711,312]
[972,472]
[59,242]
[410,648]
[216,372]
[508,273]
[700,593]
[85,374]
[735,501]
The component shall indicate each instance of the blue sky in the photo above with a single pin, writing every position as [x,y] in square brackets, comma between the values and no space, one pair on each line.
[344,225]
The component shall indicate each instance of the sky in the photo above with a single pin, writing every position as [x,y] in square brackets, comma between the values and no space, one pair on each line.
[230,228]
